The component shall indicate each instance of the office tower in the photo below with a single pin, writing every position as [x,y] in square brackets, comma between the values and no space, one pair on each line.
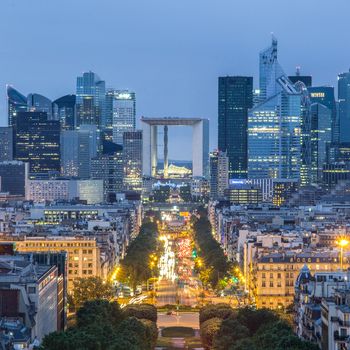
[124,114]
[219,174]
[40,103]
[90,100]
[321,137]
[16,102]
[6,143]
[274,125]
[305,79]
[37,141]
[78,147]
[325,96]
[344,106]
[235,98]
[13,177]
[269,71]
[109,168]
[132,159]
[64,110]
[110,93]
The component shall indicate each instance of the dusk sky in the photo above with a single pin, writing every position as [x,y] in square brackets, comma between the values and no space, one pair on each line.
[169,52]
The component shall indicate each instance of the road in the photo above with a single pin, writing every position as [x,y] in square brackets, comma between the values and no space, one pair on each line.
[167,292]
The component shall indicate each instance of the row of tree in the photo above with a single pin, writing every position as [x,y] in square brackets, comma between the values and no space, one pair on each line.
[214,265]
[137,266]
[223,328]
[103,325]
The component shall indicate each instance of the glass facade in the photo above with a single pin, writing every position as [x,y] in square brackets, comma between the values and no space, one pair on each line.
[37,141]
[40,103]
[344,106]
[64,109]
[274,136]
[91,100]
[16,102]
[235,98]
[132,159]
[124,114]
[321,136]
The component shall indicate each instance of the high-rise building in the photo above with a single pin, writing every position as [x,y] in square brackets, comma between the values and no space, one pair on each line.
[64,110]
[305,79]
[124,114]
[274,125]
[344,106]
[37,141]
[325,96]
[109,168]
[235,98]
[40,103]
[78,147]
[269,71]
[132,159]
[321,137]
[90,100]
[13,177]
[219,174]
[16,102]
[6,143]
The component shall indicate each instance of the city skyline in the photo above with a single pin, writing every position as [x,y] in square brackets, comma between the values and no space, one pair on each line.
[186,66]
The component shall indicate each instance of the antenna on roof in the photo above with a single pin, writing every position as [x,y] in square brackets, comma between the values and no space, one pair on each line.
[297,71]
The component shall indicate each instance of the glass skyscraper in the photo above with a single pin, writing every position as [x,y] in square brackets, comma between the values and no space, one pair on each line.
[16,102]
[235,98]
[64,109]
[344,106]
[124,114]
[274,125]
[321,137]
[90,100]
[132,159]
[37,141]
[40,103]
[325,96]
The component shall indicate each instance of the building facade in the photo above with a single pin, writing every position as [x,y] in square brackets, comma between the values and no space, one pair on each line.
[219,174]
[6,143]
[37,141]
[235,99]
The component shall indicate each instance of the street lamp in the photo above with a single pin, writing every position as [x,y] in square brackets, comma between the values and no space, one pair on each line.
[342,244]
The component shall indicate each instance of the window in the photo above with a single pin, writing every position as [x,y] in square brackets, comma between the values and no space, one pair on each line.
[263,284]
[279,284]
[263,275]
[278,275]
[271,275]
[271,284]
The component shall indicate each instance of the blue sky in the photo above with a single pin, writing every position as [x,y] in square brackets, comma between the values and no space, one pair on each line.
[169,52]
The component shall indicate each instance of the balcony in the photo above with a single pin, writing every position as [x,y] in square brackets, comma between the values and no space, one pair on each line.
[339,337]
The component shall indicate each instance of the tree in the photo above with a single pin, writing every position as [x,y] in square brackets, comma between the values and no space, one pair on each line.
[141,311]
[90,288]
[229,333]
[152,331]
[99,311]
[221,311]
[208,330]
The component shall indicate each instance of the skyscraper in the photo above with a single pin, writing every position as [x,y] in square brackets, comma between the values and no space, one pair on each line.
[132,159]
[219,174]
[40,103]
[124,114]
[78,147]
[305,79]
[16,102]
[109,168]
[274,125]
[6,143]
[90,100]
[64,108]
[235,98]
[344,106]
[321,137]
[269,71]
[37,141]
[325,96]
